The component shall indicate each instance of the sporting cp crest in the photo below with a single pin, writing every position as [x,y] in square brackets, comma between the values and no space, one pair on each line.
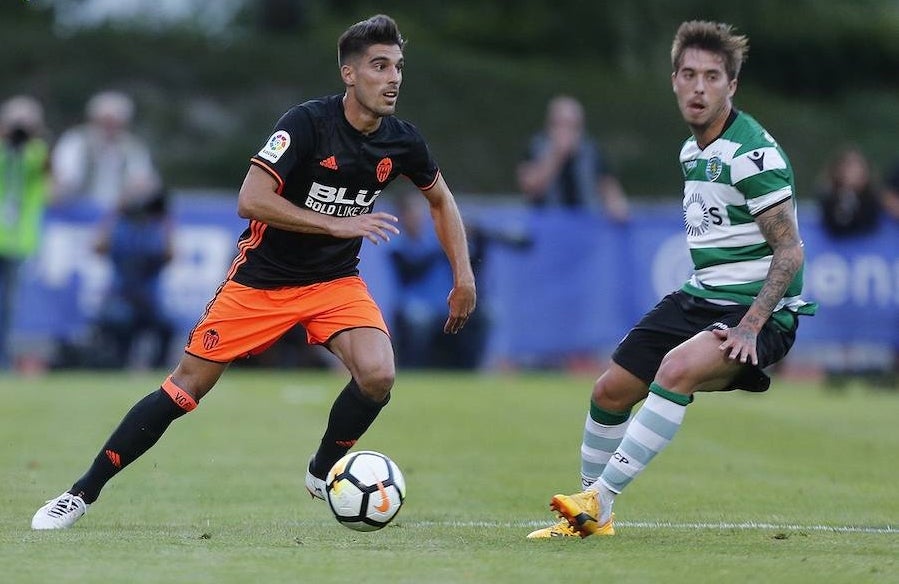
[713,168]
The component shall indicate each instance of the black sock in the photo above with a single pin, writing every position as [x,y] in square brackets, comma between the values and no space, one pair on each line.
[141,427]
[351,415]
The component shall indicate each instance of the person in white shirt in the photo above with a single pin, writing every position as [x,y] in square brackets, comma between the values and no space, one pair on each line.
[102,160]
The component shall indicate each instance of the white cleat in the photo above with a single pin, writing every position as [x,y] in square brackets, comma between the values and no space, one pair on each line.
[60,513]
[314,485]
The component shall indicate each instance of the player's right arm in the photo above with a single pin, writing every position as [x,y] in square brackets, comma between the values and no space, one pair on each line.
[260,200]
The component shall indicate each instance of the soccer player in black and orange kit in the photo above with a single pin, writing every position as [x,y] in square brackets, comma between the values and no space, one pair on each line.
[309,196]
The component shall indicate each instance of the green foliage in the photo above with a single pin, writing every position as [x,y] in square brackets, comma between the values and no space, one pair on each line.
[478,76]
[808,38]
[220,498]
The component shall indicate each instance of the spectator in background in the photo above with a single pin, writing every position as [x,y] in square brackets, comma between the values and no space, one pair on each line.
[102,160]
[890,201]
[850,203]
[422,277]
[137,239]
[890,192]
[469,347]
[24,185]
[565,167]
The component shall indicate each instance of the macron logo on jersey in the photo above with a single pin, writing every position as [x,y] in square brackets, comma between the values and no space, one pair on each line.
[755,162]
[277,145]
[338,201]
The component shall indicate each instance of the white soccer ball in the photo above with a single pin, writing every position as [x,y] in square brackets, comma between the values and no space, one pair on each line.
[365,490]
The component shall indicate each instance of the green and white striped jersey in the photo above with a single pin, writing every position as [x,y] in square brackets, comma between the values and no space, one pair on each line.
[726,185]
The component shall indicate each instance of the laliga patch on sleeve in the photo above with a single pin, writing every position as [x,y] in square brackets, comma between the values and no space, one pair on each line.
[276,146]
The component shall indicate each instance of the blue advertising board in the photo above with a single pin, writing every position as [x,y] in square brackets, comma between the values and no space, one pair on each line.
[577,288]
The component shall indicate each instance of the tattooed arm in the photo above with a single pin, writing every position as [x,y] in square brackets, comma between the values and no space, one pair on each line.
[778,225]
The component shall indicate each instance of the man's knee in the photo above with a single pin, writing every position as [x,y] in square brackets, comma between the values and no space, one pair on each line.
[673,372]
[196,377]
[376,381]
[613,393]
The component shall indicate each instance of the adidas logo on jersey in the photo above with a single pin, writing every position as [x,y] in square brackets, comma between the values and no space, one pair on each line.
[329,163]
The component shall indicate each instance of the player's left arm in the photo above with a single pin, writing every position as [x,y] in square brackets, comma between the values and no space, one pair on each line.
[451,233]
[778,225]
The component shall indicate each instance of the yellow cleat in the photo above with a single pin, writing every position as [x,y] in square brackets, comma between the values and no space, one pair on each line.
[560,529]
[581,511]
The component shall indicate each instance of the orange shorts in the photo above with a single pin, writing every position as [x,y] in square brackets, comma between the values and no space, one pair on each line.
[241,321]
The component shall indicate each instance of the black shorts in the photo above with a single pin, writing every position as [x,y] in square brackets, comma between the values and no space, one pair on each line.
[678,317]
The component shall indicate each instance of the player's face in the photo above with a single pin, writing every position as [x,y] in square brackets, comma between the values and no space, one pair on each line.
[703,91]
[375,78]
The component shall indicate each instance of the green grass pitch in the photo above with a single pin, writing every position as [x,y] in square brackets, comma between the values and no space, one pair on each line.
[796,485]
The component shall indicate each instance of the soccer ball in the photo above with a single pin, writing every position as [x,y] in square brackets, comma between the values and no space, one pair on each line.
[365,490]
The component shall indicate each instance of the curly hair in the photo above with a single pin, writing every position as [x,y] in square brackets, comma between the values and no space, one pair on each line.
[715,37]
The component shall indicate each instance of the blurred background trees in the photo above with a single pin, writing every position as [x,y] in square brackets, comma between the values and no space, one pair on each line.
[211,76]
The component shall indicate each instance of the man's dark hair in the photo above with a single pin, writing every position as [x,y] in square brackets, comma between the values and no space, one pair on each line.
[715,37]
[380,29]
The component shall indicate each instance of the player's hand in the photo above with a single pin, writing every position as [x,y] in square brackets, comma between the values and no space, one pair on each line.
[564,140]
[738,344]
[461,301]
[375,227]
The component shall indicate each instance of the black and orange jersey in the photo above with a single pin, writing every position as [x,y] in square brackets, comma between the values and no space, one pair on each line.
[323,164]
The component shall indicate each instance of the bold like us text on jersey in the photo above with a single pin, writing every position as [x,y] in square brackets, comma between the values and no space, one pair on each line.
[339,201]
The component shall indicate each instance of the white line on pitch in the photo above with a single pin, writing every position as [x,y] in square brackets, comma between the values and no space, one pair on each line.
[746,526]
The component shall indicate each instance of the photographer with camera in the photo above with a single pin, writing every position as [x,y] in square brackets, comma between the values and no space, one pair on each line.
[24,184]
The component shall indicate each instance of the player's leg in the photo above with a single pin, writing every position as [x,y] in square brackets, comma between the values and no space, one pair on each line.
[344,317]
[368,355]
[237,321]
[696,365]
[138,431]
[635,362]
[634,365]
[145,423]
[693,365]
[614,394]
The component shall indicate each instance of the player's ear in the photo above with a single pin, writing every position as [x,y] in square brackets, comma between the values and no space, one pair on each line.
[348,74]
[732,87]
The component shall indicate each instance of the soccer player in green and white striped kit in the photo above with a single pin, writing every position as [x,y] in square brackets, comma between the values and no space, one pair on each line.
[738,312]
